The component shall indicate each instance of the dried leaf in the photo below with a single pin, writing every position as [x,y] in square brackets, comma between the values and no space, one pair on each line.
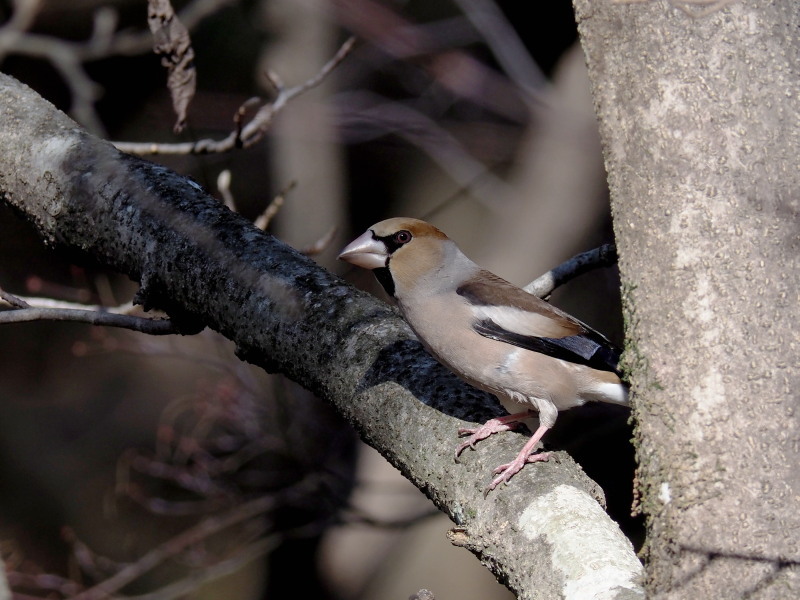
[171,40]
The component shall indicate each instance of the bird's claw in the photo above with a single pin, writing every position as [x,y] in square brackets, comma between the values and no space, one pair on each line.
[476,434]
[508,470]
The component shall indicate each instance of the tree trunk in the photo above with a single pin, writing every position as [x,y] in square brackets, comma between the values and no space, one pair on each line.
[699,122]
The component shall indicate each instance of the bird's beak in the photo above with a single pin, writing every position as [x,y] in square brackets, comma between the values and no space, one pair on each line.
[365,251]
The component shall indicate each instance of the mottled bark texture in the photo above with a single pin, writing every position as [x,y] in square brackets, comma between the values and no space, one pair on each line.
[545,535]
[699,123]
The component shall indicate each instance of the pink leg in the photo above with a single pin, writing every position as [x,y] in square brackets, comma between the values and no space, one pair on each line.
[508,470]
[491,426]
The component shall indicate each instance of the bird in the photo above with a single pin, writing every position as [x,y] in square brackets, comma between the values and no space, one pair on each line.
[534,357]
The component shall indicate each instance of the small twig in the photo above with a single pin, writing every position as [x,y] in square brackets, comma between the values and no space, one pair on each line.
[93,317]
[505,44]
[602,256]
[321,244]
[95,566]
[69,295]
[176,545]
[224,187]
[198,577]
[444,148]
[263,220]
[13,300]
[275,82]
[105,293]
[326,69]
[357,517]
[238,118]
[69,57]
[251,133]
[22,18]
[23,309]
[46,582]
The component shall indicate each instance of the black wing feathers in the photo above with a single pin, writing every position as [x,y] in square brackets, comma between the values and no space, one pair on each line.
[565,337]
[589,348]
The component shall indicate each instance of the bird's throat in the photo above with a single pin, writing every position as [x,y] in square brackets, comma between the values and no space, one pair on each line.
[384,277]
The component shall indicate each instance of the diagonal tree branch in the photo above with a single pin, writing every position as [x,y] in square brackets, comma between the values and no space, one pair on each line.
[544,536]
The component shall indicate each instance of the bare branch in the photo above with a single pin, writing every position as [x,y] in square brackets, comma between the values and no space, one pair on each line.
[265,218]
[321,244]
[224,187]
[140,324]
[506,45]
[13,300]
[340,55]
[251,133]
[174,546]
[68,57]
[22,309]
[602,256]
[453,70]
[420,130]
[199,577]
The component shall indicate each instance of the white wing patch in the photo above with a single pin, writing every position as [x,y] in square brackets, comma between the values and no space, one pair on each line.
[517,320]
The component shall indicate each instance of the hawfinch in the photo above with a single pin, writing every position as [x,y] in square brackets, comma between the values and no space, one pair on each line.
[491,333]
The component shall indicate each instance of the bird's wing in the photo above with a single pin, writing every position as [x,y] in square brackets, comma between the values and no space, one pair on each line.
[509,314]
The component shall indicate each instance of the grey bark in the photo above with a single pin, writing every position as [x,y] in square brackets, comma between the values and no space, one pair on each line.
[700,129]
[544,536]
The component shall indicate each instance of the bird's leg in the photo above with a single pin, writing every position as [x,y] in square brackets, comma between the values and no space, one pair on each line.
[491,426]
[508,470]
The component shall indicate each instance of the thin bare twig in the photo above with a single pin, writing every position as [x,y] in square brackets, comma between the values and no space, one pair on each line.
[359,517]
[224,187]
[203,530]
[321,244]
[68,57]
[505,44]
[199,577]
[254,130]
[263,220]
[22,309]
[238,118]
[46,582]
[454,70]
[602,256]
[13,300]
[93,317]
[424,133]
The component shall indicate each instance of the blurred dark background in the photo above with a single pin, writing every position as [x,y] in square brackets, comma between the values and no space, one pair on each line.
[473,115]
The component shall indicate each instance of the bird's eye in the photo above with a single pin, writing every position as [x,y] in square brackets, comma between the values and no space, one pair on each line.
[402,237]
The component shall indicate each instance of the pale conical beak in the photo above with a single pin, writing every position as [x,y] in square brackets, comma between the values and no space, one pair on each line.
[366,252]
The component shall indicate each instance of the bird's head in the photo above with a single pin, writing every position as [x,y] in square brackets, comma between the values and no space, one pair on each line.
[400,252]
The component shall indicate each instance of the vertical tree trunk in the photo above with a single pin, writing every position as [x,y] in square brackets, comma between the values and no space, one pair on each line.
[699,122]
[304,149]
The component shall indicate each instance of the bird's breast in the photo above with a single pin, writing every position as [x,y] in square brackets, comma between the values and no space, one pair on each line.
[445,329]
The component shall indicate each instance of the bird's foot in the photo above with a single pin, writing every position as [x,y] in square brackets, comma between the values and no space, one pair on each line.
[508,470]
[476,434]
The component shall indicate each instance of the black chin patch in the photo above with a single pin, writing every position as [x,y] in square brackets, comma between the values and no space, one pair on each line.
[385,279]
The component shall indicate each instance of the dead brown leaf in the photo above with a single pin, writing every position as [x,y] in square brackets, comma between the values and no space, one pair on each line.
[171,40]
